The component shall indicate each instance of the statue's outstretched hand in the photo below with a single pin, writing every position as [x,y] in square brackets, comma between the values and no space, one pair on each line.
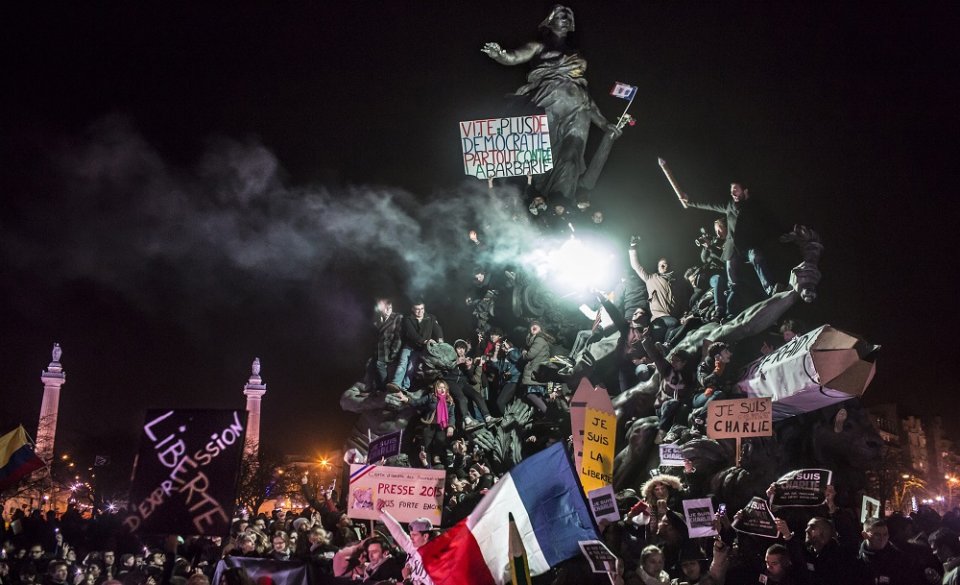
[492,50]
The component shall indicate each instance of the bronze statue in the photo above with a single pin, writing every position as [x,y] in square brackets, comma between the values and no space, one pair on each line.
[556,84]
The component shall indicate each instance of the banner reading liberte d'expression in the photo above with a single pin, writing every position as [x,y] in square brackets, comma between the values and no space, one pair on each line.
[185,477]
[506,147]
[407,493]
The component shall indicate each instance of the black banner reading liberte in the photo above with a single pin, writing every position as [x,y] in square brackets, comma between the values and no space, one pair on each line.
[185,480]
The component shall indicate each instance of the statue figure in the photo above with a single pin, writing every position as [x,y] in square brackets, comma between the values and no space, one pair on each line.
[805,276]
[380,413]
[556,84]
[56,353]
[255,367]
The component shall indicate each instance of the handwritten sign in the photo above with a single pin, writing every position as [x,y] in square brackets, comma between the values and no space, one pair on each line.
[598,449]
[406,492]
[756,519]
[803,487]
[699,517]
[185,478]
[506,147]
[739,418]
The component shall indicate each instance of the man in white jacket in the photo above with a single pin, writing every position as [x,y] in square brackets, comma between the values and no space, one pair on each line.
[420,531]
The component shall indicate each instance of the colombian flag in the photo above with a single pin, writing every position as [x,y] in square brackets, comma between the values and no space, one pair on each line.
[17,458]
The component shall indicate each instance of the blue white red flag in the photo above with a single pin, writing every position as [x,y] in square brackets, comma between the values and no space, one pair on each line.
[17,458]
[623,91]
[550,514]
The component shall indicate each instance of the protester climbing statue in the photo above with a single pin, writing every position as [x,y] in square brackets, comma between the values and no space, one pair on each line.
[557,84]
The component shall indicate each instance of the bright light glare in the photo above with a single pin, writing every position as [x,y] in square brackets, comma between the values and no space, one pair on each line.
[574,266]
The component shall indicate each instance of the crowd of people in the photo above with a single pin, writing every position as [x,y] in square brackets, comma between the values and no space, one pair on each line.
[501,368]
[825,544]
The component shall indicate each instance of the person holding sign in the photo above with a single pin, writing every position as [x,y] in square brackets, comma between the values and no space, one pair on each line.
[556,84]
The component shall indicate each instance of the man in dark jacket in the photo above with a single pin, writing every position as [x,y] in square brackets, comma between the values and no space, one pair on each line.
[829,563]
[882,561]
[418,331]
[746,228]
[387,324]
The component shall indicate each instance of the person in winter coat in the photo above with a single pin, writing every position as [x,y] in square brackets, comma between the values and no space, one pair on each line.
[438,418]
[536,354]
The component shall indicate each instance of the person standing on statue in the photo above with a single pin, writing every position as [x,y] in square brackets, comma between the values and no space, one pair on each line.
[556,84]
[387,324]
[418,331]
[747,225]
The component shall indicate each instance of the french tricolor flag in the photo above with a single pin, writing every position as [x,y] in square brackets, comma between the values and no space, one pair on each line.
[623,91]
[550,513]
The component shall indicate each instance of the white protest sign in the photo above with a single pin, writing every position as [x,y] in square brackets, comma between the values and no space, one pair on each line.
[506,147]
[739,418]
[869,508]
[407,493]
[699,516]
[670,455]
[603,504]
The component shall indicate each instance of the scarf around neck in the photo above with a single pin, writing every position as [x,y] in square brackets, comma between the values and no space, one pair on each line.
[443,417]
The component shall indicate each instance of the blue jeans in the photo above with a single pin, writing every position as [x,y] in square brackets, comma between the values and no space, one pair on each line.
[406,366]
[759,262]
[661,327]
[668,411]
[718,282]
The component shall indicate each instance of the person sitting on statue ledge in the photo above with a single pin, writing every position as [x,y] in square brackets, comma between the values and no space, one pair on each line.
[463,380]
[714,374]
[438,421]
[676,388]
[419,331]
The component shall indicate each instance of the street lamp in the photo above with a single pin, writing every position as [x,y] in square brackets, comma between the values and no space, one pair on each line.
[952,481]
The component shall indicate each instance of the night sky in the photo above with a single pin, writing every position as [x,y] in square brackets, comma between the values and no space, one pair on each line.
[185,186]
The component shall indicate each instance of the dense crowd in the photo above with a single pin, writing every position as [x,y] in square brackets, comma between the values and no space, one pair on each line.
[521,373]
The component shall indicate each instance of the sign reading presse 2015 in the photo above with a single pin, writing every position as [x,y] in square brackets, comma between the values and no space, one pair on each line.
[407,493]
[506,147]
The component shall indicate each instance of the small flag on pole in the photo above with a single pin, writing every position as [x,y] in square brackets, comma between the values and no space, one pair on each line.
[519,567]
[623,91]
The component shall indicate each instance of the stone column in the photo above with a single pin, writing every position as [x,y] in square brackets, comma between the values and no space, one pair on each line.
[53,378]
[254,391]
